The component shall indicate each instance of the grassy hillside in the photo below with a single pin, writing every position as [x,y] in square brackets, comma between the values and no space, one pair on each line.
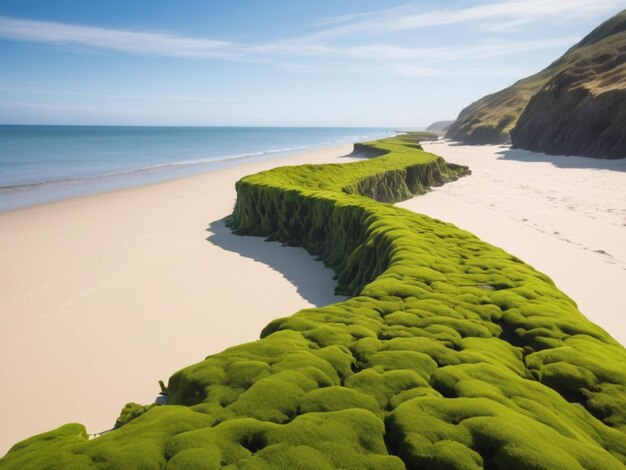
[451,353]
[439,126]
[582,109]
[491,119]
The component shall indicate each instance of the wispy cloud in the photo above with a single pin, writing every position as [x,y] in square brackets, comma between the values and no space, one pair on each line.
[412,16]
[32,88]
[419,72]
[441,54]
[164,44]
[326,41]
[167,44]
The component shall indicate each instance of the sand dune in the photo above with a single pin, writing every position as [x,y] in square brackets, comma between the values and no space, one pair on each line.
[566,216]
[102,296]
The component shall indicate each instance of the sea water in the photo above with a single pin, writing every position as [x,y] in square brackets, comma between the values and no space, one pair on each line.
[46,163]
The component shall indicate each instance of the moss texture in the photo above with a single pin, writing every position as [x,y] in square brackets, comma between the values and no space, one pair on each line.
[450,353]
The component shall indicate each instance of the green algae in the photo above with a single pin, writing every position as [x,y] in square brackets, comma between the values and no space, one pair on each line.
[451,353]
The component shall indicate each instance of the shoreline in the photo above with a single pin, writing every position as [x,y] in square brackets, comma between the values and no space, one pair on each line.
[37,184]
[85,277]
[35,194]
[561,215]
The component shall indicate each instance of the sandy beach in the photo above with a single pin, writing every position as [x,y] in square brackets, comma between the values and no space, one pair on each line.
[566,216]
[103,295]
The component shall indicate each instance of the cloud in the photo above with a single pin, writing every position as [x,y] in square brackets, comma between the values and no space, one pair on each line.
[495,17]
[417,71]
[31,88]
[155,43]
[325,43]
[449,53]
[412,16]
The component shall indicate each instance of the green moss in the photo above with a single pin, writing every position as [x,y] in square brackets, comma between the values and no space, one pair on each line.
[337,398]
[130,412]
[450,353]
[50,451]
[478,432]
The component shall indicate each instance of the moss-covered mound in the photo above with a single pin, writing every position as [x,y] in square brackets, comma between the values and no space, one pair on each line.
[450,354]
[598,60]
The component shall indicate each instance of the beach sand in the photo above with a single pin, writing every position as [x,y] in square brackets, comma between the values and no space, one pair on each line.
[103,295]
[566,216]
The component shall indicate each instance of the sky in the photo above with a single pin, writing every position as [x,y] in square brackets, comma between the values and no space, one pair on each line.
[274,62]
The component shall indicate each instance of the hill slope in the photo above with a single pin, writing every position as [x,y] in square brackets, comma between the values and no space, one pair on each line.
[491,119]
[439,126]
[582,109]
[451,353]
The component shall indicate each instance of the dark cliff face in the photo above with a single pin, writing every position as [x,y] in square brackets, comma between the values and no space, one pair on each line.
[489,120]
[581,111]
[595,64]
[574,122]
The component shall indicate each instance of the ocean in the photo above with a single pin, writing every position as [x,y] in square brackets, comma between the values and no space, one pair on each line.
[41,164]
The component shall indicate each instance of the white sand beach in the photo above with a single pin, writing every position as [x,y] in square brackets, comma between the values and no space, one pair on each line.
[103,295]
[566,216]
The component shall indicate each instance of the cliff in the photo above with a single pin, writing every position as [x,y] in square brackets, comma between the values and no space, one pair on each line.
[582,110]
[490,119]
[595,64]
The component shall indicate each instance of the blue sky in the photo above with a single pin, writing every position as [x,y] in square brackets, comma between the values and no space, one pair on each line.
[271,62]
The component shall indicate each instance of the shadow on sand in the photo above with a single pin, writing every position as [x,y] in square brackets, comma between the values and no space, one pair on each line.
[560,161]
[563,161]
[313,281]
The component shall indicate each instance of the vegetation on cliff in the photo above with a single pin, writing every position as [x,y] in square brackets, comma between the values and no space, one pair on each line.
[451,353]
[582,110]
[592,68]
[439,126]
[490,119]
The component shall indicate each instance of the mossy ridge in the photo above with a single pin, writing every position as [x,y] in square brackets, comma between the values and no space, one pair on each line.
[451,354]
